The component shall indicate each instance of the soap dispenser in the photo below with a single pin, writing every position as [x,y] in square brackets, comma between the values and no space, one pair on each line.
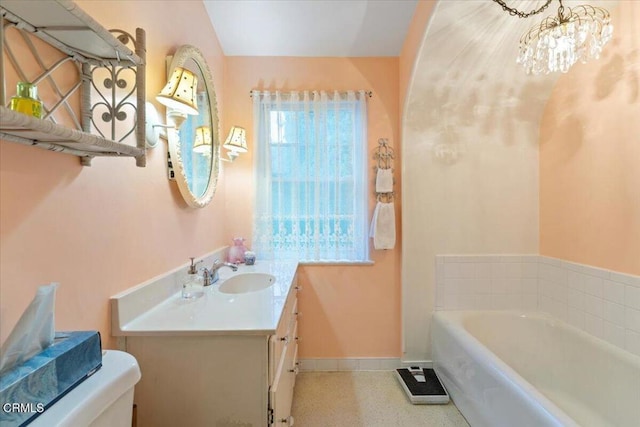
[192,286]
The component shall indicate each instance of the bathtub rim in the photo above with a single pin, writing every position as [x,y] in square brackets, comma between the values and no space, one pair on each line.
[459,315]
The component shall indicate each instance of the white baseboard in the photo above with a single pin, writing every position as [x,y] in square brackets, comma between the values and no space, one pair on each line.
[419,363]
[351,364]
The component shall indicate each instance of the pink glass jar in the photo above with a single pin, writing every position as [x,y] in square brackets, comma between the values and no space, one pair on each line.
[236,251]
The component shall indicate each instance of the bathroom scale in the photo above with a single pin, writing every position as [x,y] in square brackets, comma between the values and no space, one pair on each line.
[422,386]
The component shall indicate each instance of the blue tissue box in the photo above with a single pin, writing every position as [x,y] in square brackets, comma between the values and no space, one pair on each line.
[29,389]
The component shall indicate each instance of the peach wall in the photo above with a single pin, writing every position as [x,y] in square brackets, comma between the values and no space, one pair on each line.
[470,153]
[411,45]
[590,156]
[99,230]
[348,311]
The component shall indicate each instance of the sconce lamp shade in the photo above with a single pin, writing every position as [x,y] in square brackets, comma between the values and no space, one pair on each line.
[202,143]
[180,91]
[236,141]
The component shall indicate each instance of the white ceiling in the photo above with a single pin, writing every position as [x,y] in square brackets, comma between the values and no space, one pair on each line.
[311,27]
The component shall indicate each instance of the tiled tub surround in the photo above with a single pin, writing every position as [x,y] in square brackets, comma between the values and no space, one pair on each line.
[603,303]
[486,282]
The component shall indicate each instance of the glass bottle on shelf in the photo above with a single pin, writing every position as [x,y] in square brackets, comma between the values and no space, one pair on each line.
[26,100]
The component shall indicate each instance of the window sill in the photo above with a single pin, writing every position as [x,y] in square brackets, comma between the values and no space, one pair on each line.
[329,263]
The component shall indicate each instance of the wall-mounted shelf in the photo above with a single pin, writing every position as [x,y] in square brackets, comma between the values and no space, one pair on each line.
[109,111]
[29,130]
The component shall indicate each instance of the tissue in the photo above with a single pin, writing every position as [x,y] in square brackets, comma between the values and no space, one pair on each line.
[34,331]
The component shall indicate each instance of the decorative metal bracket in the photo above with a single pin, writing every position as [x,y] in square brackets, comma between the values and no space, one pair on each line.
[108,95]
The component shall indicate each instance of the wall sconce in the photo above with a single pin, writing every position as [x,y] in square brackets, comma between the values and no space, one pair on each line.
[202,143]
[236,143]
[153,128]
[180,95]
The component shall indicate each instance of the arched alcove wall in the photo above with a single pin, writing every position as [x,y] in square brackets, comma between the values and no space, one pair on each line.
[472,148]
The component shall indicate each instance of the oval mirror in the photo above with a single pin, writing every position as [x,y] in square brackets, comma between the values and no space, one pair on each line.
[194,145]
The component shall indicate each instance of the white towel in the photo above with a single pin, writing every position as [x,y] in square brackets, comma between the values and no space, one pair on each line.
[384,181]
[383,226]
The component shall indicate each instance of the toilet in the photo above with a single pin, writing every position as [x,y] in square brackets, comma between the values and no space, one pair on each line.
[103,400]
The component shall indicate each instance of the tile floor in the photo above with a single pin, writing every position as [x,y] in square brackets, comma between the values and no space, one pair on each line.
[363,399]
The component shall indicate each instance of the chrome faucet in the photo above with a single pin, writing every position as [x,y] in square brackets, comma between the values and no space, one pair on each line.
[211,276]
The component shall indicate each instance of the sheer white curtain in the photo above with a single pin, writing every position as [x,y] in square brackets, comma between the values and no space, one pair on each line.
[311,176]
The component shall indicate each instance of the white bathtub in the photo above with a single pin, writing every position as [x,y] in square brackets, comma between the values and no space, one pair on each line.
[507,369]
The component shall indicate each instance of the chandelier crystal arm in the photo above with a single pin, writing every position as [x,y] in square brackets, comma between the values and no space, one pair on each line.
[575,34]
[561,16]
[519,14]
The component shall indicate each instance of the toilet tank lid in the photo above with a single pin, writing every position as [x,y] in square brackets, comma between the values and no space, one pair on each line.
[119,373]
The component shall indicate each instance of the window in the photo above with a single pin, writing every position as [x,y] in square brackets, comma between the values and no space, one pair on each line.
[311,177]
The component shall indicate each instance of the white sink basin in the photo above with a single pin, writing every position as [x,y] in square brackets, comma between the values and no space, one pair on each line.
[246,282]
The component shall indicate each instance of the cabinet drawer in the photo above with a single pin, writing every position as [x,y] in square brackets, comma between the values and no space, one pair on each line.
[281,396]
[284,333]
[290,307]
[294,363]
[293,315]
[276,351]
[283,366]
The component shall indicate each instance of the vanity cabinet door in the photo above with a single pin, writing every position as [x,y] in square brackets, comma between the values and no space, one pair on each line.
[281,395]
[283,362]
[283,335]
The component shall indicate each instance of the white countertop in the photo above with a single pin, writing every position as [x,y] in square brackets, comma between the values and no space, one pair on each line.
[216,313]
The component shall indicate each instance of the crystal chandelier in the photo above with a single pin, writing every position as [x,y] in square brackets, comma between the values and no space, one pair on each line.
[558,42]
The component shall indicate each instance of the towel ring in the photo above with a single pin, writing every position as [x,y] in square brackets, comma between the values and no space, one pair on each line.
[384,154]
[384,197]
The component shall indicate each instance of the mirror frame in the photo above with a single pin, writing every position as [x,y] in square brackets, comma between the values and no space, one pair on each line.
[179,59]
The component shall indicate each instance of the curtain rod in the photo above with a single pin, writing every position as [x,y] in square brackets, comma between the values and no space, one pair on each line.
[369,93]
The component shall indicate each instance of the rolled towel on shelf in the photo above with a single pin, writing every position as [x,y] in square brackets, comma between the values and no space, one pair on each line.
[384,181]
[383,226]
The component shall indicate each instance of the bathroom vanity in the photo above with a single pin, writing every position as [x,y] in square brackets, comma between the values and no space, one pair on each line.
[228,358]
